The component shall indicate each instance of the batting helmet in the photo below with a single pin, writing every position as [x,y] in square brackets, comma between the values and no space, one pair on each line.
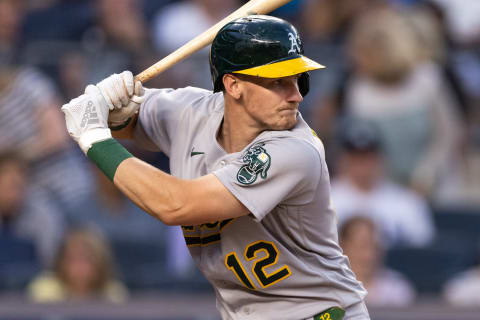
[261,46]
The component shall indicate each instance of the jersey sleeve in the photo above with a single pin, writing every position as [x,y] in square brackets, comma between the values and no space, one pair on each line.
[161,114]
[270,174]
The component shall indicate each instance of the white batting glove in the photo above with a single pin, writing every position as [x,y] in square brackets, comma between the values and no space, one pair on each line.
[118,118]
[123,97]
[86,118]
[117,89]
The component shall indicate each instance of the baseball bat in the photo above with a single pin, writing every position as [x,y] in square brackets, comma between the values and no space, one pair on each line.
[204,39]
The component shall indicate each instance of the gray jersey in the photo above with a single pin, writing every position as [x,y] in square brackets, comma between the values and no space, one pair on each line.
[283,260]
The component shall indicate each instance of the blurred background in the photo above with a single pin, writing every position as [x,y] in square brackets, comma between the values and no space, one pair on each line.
[398,109]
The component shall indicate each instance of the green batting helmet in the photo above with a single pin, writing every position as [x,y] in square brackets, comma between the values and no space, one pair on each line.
[261,46]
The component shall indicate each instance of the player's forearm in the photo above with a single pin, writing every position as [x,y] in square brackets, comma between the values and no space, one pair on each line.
[176,201]
[172,200]
[159,194]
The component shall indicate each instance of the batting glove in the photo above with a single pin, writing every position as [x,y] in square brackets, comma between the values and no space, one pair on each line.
[86,118]
[123,96]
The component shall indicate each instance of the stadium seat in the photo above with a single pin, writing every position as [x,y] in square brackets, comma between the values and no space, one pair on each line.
[458,220]
[18,262]
[429,268]
[140,264]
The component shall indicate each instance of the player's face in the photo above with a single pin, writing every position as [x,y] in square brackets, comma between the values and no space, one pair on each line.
[272,103]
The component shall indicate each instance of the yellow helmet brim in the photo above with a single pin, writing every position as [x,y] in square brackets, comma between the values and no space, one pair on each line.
[283,68]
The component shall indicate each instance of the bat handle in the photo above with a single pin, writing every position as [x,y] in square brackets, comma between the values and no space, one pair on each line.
[147,74]
[144,76]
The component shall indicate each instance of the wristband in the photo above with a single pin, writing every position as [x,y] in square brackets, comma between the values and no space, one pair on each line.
[121,126]
[108,155]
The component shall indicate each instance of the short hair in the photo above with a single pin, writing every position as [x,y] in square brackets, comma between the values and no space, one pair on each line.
[346,227]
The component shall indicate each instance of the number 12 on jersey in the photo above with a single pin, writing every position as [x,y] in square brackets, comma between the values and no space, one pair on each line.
[258,268]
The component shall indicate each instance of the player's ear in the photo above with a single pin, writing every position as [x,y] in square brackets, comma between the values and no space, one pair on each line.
[232,85]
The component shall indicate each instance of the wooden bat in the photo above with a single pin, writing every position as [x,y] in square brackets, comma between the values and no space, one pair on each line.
[204,39]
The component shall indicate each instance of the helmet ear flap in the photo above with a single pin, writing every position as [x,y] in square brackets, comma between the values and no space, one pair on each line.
[218,84]
[304,84]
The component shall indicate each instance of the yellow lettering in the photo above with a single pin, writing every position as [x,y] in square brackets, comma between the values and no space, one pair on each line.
[325,316]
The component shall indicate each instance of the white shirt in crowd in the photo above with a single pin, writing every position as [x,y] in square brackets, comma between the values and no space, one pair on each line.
[402,216]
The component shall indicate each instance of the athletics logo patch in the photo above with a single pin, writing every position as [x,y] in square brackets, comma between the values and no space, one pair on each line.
[257,161]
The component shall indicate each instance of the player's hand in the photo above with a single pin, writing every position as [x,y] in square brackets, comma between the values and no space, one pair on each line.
[117,89]
[86,118]
[123,95]
[119,118]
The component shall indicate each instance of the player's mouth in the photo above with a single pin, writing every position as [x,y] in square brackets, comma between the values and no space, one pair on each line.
[291,109]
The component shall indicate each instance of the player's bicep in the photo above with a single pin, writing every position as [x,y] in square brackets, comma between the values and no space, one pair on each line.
[279,172]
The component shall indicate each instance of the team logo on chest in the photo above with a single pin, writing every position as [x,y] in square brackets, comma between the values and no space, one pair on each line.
[257,161]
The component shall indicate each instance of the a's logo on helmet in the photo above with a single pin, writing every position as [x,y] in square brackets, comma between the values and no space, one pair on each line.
[295,48]
[257,161]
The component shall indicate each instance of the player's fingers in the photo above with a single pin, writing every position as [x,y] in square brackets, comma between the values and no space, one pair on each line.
[137,99]
[127,78]
[107,88]
[139,90]
[120,92]
[110,90]
[105,94]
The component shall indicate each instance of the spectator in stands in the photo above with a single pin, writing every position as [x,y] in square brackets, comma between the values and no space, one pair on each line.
[325,25]
[90,42]
[72,73]
[462,18]
[120,220]
[115,215]
[116,46]
[406,96]
[11,12]
[462,188]
[31,121]
[461,69]
[181,21]
[25,213]
[132,33]
[360,242]
[330,20]
[83,270]
[402,217]
[463,289]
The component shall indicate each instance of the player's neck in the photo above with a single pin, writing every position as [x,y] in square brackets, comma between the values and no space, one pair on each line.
[235,132]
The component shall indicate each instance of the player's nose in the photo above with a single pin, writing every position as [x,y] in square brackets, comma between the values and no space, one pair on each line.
[294,94]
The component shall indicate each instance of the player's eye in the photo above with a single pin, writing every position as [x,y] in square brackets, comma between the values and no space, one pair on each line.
[272,83]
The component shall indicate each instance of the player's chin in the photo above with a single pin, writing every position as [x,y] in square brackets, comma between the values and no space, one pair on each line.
[286,122]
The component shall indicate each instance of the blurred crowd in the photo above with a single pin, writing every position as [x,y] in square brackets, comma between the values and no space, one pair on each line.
[397,108]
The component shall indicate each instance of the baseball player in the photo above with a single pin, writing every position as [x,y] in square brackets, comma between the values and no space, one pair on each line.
[249,183]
